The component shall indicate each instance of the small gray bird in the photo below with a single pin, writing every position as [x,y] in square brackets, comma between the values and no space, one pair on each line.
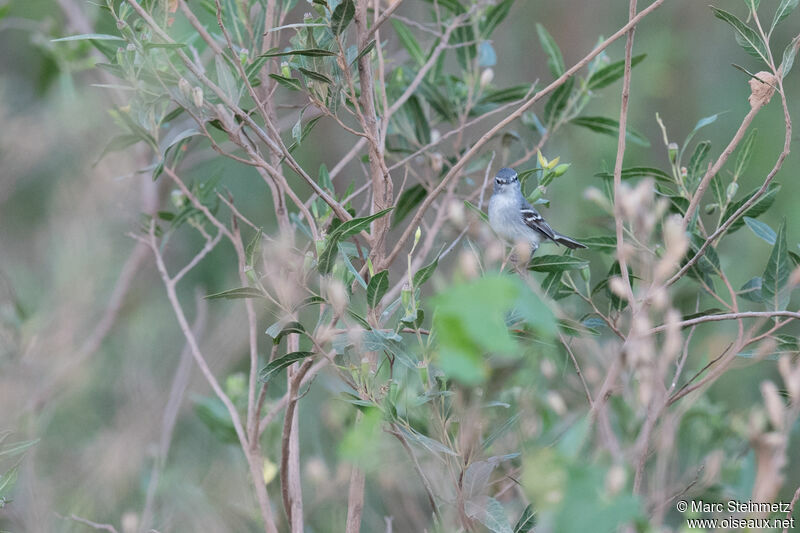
[513,218]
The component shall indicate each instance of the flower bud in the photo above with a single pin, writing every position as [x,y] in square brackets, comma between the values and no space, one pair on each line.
[672,150]
[185,88]
[733,188]
[197,96]
[486,77]
[560,169]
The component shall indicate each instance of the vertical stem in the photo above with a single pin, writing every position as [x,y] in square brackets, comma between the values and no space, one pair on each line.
[355,496]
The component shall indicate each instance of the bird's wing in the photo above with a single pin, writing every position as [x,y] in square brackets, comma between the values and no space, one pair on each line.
[534,220]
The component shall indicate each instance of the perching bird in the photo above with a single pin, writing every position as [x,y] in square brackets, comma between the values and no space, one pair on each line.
[513,218]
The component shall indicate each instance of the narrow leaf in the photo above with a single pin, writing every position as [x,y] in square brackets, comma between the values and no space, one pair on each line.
[745,152]
[89,37]
[638,172]
[409,42]
[356,225]
[494,16]
[377,287]
[755,210]
[284,329]
[609,126]
[776,274]
[342,16]
[308,52]
[423,274]
[555,61]
[745,36]
[611,73]
[235,294]
[316,75]
[526,521]
[280,363]
[761,230]
[409,199]
[556,263]
[784,10]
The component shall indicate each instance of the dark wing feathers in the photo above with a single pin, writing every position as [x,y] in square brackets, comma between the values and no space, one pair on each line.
[535,221]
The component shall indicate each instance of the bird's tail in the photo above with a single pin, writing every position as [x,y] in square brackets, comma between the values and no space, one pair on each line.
[566,241]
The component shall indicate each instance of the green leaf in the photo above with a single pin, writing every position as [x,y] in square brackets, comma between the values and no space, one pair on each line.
[422,129]
[488,512]
[745,36]
[279,330]
[502,96]
[526,521]
[120,142]
[347,229]
[702,123]
[494,16]
[17,448]
[755,210]
[316,76]
[556,263]
[342,16]
[609,126]
[745,152]
[364,51]
[761,230]
[350,267]
[409,199]
[226,80]
[377,287]
[788,56]
[611,73]
[552,283]
[784,10]
[290,83]
[213,413]
[356,225]
[409,42]
[423,274]
[280,363]
[469,205]
[253,248]
[752,290]
[776,274]
[557,102]
[607,244]
[308,52]
[467,51]
[89,37]
[555,61]
[235,294]
[638,172]
[698,157]
[7,483]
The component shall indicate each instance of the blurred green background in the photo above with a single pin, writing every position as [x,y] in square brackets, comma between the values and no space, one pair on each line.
[64,219]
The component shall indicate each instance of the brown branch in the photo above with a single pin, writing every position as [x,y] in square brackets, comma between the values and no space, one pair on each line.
[623,123]
[729,316]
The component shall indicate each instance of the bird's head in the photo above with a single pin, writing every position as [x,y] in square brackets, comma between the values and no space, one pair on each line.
[506,181]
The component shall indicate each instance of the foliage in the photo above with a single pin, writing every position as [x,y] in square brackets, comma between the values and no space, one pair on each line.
[498,392]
